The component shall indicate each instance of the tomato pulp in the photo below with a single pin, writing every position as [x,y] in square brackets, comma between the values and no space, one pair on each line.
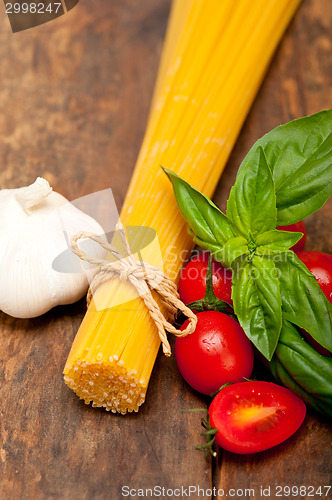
[192,284]
[216,353]
[254,416]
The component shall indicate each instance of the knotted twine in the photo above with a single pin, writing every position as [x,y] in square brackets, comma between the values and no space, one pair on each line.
[144,277]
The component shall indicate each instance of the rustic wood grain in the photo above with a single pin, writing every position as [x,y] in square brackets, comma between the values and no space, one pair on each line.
[74,99]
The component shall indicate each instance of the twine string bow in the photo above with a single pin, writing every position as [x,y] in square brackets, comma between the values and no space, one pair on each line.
[144,277]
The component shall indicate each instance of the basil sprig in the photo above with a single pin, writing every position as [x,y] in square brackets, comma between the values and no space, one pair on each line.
[299,155]
[285,177]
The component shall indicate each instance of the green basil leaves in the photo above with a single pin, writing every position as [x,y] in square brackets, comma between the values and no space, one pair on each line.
[257,302]
[285,177]
[299,155]
[252,202]
[298,366]
[276,241]
[303,302]
[206,221]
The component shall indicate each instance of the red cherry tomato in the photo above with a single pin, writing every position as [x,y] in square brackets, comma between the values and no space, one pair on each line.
[320,265]
[298,227]
[192,285]
[254,416]
[216,353]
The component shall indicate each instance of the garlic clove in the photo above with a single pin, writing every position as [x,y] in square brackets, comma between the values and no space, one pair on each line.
[36,225]
[33,195]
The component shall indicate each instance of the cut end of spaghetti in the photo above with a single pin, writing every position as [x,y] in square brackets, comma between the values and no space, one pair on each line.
[106,383]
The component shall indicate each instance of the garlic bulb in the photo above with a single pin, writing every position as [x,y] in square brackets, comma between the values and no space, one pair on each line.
[36,225]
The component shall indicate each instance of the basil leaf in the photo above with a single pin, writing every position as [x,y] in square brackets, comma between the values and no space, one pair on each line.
[298,366]
[308,188]
[214,248]
[299,155]
[276,241]
[257,302]
[233,249]
[252,203]
[204,219]
[282,376]
[303,301]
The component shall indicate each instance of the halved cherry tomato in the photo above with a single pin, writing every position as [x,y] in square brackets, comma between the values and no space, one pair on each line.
[192,285]
[298,227]
[216,353]
[254,416]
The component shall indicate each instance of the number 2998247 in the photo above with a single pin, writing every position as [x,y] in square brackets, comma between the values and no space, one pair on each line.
[33,8]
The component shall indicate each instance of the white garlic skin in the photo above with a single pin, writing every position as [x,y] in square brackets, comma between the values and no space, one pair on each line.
[31,237]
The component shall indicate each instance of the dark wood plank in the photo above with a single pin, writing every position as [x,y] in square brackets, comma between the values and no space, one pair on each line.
[297,84]
[74,100]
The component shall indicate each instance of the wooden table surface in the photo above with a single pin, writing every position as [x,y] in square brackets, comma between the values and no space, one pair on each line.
[74,98]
